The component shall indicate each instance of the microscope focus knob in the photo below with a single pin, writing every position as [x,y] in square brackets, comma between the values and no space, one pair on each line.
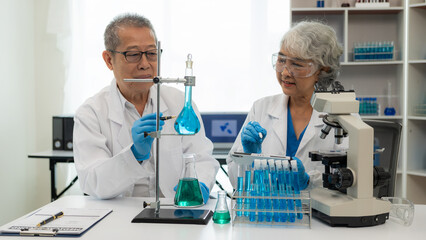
[345,178]
[380,176]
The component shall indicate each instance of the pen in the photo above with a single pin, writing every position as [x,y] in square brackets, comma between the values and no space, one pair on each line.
[58,215]
[167,117]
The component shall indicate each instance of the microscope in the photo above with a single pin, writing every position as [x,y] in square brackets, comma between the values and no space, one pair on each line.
[346,198]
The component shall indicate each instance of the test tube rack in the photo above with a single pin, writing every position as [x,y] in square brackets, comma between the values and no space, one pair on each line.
[301,217]
[373,51]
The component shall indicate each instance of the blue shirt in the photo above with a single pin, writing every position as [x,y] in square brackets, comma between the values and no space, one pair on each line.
[292,141]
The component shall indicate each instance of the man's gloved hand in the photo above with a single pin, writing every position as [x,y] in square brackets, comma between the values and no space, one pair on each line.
[300,176]
[141,147]
[204,191]
[252,137]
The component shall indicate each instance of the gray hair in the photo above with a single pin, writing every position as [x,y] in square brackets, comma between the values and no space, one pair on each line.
[111,39]
[317,42]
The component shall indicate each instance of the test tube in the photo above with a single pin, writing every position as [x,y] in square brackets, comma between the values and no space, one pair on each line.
[274,189]
[282,190]
[295,173]
[289,191]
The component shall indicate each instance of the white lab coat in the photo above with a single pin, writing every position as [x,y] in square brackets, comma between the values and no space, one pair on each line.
[271,113]
[104,161]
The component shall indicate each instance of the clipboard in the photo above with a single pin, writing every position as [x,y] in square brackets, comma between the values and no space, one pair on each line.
[73,223]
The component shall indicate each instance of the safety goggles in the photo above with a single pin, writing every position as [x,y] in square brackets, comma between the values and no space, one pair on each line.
[296,67]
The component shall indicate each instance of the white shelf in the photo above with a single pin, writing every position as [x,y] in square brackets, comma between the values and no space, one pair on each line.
[417,118]
[371,63]
[418,5]
[397,117]
[350,10]
[318,10]
[417,61]
[420,173]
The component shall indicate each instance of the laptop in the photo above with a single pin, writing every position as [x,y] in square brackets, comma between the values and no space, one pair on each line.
[222,129]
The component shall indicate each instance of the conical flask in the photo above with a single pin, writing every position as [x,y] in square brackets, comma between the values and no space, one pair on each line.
[187,122]
[221,213]
[188,193]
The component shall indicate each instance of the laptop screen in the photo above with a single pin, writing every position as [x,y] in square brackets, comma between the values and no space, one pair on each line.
[223,128]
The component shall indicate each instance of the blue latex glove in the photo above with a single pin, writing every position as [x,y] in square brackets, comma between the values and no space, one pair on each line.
[302,177]
[252,137]
[204,191]
[141,147]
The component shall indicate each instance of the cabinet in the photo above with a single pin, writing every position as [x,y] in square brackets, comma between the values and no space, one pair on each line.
[401,23]
[416,102]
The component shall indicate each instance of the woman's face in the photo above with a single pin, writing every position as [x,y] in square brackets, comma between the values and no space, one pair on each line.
[298,76]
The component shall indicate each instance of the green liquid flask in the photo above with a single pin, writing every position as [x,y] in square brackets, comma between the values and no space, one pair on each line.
[188,193]
[221,213]
[187,122]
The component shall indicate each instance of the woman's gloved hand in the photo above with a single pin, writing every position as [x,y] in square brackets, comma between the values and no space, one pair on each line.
[252,137]
[141,147]
[204,191]
[300,176]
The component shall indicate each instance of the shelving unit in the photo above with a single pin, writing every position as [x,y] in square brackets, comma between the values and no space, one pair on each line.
[403,23]
[416,84]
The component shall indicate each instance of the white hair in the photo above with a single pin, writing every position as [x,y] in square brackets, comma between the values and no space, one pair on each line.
[317,42]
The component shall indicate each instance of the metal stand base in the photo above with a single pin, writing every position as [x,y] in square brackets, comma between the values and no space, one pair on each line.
[177,216]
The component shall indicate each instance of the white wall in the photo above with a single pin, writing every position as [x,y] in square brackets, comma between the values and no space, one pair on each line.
[32,79]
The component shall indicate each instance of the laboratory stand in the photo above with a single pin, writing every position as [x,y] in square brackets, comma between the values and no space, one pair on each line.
[187,123]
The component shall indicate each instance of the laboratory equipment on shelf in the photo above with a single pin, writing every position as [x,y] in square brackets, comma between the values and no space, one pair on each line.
[372,4]
[221,213]
[368,106]
[154,214]
[270,196]
[373,51]
[389,110]
[187,122]
[188,193]
[346,198]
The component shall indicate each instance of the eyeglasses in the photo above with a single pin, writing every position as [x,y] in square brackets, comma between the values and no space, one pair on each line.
[296,67]
[136,56]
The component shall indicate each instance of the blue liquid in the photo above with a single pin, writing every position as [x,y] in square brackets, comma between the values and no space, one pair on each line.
[240,193]
[187,122]
[247,189]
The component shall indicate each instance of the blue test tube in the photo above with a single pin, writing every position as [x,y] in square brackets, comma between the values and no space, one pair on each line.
[295,173]
[260,191]
[240,185]
[274,189]
[247,190]
[289,191]
[266,190]
[281,190]
[254,191]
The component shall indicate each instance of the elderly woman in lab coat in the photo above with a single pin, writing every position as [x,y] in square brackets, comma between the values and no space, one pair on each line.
[286,124]
[112,155]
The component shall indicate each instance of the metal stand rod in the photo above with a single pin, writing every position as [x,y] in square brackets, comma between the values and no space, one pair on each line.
[157,147]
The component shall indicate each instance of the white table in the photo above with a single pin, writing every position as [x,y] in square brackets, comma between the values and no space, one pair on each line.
[117,225]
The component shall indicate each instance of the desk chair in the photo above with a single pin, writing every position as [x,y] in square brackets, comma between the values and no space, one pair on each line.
[387,135]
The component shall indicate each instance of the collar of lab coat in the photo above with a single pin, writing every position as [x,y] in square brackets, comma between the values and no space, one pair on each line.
[116,110]
[279,126]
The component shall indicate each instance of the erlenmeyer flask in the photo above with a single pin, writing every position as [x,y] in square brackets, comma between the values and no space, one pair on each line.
[188,193]
[221,212]
[187,122]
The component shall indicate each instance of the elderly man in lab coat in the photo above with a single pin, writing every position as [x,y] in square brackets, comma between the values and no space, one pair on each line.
[112,156]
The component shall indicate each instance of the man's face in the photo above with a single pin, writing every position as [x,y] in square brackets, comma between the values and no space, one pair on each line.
[132,39]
